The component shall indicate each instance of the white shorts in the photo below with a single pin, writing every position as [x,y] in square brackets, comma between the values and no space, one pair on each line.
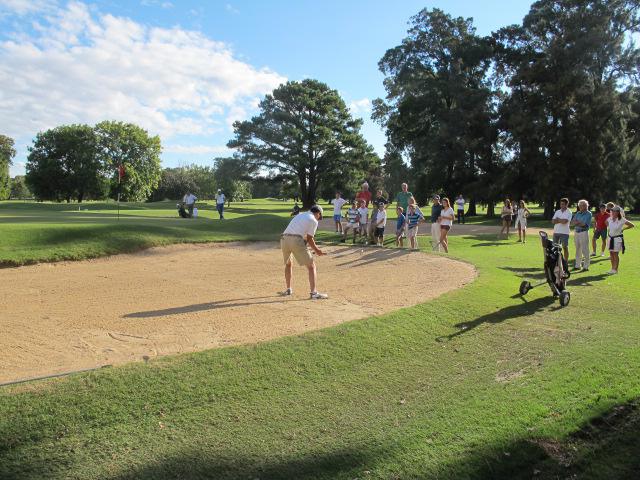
[617,244]
[412,232]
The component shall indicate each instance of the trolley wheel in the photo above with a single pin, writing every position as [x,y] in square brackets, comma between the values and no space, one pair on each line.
[525,287]
[565,297]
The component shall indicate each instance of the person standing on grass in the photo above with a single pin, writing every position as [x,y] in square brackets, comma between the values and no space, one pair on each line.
[400,226]
[403,196]
[582,222]
[600,230]
[352,223]
[617,224]
[561,220]
[446,221]
[294,241]
[413,218]
[364,194]
[190,200]
[460,209]
[521,221]
[380,223]
[436,210]
[363,219]
[374,213]
[505,215]
[338,203]
[220,198]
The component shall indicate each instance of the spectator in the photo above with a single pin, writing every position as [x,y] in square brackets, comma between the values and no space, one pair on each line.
[460,208]
[521,221]
[436,210]
[380,224]
[363,213]
[561,220]
[600,230]
[380,198]
[582,222]
[400,226]
[617,224]
[220,198]
[190,200]
[295,211]
[353,222]
[505,215]
[413,218]
[338,203]
[446,220]
[364,194]
[402,197]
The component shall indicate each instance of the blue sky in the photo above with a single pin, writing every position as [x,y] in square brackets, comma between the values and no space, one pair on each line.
[185,69]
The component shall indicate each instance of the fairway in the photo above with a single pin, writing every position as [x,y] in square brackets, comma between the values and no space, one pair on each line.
[74,316]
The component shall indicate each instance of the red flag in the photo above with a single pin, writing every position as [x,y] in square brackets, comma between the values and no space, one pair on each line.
[120,172]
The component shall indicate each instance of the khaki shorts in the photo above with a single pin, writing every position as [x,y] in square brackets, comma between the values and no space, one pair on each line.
[296,246]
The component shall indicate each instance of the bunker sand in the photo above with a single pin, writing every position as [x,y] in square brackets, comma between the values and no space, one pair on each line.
[68,316]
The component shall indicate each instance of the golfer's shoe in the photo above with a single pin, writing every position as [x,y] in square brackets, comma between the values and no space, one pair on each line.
[287,292]
[612,272]
[318,296]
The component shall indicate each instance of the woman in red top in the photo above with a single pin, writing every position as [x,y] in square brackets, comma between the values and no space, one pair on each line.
[600,231]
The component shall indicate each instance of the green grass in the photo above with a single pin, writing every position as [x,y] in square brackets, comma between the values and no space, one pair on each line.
[477,384]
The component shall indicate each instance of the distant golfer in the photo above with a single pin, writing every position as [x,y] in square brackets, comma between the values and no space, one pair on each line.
[220,199]
[294,241]
[190,200]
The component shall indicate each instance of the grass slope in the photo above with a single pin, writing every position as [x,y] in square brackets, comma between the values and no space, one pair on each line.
[477,384]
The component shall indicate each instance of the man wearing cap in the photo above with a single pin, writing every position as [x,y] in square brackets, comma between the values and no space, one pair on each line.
[220,198]
[436,210]
[294,241]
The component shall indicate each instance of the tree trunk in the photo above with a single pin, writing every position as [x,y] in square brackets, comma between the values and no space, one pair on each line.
[491,209]
[549,209]
[471,211]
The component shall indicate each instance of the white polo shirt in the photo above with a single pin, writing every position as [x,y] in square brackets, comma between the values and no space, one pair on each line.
[338,203]
[562,228]
[189,199]
[220,198]
[303,224]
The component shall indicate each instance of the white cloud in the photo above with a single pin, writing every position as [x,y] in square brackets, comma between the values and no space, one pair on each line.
[24,7]
[362,106]
[231,9]
[84,67]
[197,149]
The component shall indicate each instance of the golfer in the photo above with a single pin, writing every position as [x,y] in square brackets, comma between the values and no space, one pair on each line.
[190,200]
[294,241]
[220,198]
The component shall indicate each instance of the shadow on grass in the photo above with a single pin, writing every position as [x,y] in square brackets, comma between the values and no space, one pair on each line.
[508,313]
[203,307]
[605,447]
[526,272]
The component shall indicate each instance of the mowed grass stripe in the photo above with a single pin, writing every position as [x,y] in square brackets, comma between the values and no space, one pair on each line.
[405,395]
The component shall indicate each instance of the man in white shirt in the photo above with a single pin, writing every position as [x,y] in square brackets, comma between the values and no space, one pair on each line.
[220,198]
[561,221]
[460,208]
[189,200]
[294,241]
[338,203]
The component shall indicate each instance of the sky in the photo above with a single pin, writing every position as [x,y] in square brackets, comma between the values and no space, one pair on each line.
[186,70]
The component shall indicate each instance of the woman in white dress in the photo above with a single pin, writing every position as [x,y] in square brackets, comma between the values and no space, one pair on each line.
[617,224]
[446,220]
[521,221]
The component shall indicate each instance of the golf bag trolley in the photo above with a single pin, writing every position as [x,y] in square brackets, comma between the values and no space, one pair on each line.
[182,211]
[556,271]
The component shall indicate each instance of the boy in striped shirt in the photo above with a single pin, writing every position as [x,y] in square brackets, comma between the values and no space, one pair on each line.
[353,222]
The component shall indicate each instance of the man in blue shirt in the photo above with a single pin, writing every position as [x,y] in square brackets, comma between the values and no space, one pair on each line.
[582,222]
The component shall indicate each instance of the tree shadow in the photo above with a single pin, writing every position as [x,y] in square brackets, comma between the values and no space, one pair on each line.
[508,313]
[374,255]
[202,307]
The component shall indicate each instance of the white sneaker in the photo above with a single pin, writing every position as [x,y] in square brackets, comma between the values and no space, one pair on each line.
[318,296]
[602,254]
[287,292]
[612,272]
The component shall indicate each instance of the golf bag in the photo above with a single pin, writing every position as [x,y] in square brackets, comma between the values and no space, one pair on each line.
[556,271]
[181,210]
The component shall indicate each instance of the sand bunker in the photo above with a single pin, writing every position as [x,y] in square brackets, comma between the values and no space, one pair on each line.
[67,316]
